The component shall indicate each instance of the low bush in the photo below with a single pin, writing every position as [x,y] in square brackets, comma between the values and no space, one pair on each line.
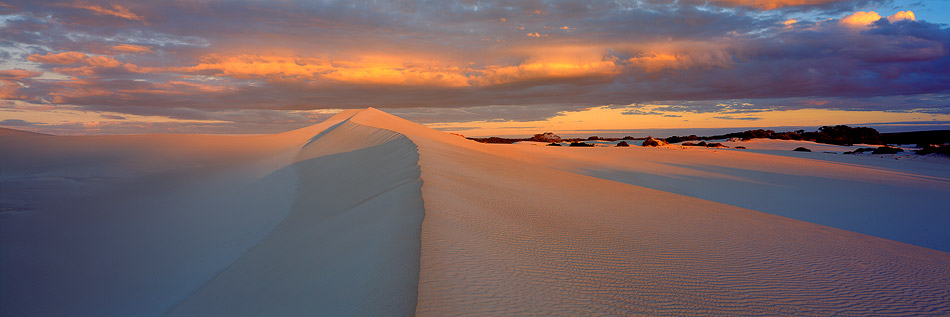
[887,150]
[650,141]
[623,143]
[943,149]
[582,144]
[801,149]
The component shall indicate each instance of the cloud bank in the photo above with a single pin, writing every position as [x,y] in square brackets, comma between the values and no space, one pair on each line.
[235,60]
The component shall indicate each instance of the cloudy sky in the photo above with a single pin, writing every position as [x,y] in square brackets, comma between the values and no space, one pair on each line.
[475,67]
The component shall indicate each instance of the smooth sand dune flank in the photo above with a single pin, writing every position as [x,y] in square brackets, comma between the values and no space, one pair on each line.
[350,245]
[370,214]
[502,236]
[894,199]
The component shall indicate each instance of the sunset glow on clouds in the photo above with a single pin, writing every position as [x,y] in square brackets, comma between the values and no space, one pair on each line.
[254,67]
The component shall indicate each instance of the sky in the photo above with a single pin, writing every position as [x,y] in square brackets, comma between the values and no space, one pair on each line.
[474,67]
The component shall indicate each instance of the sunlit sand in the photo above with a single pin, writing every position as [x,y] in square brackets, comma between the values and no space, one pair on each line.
[370,214]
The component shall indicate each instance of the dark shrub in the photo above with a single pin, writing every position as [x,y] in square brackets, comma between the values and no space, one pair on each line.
[554,144]
[715,145]
[593,138]
[623,143]
[496,140]
[701,143]
[757,134]
[678,139]
[650,141]
[546,137]
[801,149]
[786,136]
[887,150]
[845,135]
[740,147]
[575,143]
[628,138]
[934,148]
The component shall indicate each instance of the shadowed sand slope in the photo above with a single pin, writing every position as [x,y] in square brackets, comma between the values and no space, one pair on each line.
[370,214]
[350,245]
[321,219]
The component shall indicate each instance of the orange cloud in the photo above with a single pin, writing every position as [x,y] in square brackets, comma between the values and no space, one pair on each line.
[903,15]
[78,88]
[401,70]
[131,48]
[63,58]
[572,63]
[365,71]
[860,19]
[86,65]
[770,4]
[681,55]
[251,66]
[17,74]
[533,34]
[393,73]
[10,83]
[116,11]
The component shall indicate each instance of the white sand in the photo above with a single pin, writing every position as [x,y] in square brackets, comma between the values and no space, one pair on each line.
[328,220]
[895,199]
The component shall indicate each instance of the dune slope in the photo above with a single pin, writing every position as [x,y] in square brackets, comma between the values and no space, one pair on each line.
[502,236]
[370,214]
[350,245]
[897,199]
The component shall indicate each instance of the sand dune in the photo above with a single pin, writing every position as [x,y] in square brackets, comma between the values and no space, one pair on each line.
[370,214]
[889,198]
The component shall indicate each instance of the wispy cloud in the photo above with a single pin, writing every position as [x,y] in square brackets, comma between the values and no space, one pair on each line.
[108,10]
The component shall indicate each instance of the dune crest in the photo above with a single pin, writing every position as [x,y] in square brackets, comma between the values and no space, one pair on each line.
[370,214]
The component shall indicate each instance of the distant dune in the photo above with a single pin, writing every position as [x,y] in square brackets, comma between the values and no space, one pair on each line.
[370,214]
[14,132]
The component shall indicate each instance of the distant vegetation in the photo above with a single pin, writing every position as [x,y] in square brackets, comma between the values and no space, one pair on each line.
[548,137]
[928,141]
[495,139]
[943,149]
[650,141]
[838,135]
